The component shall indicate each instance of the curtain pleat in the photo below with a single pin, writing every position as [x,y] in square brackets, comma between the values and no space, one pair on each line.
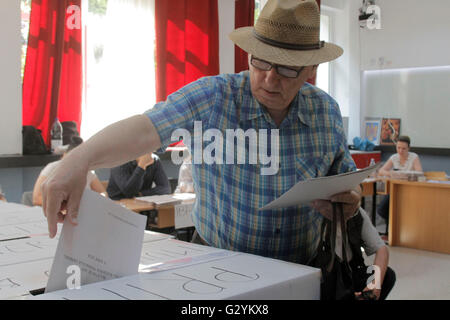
[187,43]
[244,13]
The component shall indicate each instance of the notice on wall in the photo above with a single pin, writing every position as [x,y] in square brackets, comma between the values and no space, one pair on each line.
[183,217]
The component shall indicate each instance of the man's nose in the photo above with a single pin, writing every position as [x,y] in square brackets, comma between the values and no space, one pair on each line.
[272,76]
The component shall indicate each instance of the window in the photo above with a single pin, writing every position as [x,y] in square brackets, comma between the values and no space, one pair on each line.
[25,7]
[259,4]
[323,72]
[119,63]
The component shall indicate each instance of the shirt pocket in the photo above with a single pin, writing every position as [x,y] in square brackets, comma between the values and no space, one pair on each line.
[312,167]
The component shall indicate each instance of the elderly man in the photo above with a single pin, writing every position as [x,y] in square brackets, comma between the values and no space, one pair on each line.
[284,51]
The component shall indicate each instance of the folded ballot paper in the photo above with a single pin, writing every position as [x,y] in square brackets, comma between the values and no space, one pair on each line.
[106,244]
[320,188]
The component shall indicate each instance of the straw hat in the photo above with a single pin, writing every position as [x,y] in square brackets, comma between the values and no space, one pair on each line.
[287,32]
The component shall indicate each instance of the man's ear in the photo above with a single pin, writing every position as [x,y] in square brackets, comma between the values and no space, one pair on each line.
[313,71]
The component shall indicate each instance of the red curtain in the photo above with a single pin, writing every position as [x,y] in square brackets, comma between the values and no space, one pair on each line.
[244,14]
[187,43]
[52,85]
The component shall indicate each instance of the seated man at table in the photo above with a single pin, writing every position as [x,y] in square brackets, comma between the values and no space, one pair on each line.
[136,178]
[92,181]
[403,160]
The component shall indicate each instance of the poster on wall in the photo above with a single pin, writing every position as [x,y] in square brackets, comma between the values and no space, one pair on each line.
[390,130]
[372,130]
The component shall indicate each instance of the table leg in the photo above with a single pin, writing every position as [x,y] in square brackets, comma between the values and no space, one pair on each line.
[374,204]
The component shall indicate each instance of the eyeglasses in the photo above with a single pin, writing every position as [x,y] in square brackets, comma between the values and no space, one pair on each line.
[281,70]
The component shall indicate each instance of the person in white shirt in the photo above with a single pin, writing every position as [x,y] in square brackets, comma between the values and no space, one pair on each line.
[185,181]
[403,160]
[92,181]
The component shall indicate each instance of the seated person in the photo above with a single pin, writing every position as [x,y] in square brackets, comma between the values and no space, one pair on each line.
[403,160]
[136,178]
[359,233]
[92,182]
[185,181]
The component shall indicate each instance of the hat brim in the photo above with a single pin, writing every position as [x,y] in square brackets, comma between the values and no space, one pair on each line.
[245,39]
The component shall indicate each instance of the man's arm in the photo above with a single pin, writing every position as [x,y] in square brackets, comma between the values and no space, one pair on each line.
[116,144]
[343,162]
[381,261]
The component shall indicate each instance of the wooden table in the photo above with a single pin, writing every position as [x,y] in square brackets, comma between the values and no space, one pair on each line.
[165,212]
[420,215]
[136,205]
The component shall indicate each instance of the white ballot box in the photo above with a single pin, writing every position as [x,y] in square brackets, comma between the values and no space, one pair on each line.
[213,274]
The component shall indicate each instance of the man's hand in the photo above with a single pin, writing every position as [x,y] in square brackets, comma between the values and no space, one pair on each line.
[369,294]
[145,160]
[351,202]
[62,191]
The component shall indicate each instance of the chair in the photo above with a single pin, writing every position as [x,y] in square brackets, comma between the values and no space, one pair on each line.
[436,175]
[27,198]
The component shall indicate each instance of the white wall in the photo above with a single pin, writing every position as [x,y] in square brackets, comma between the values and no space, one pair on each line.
[420,97]
[226,46]
[402,68]
[344,71]
[10,81]
[414,33]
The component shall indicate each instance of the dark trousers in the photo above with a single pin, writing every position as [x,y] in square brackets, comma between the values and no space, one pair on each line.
[335,285]
[383,208]
[388,283]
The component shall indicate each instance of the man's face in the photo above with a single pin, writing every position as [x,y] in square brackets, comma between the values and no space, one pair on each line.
[275,91]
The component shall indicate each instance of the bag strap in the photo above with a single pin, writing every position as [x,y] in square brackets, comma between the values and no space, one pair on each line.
[333,237]
[344,233]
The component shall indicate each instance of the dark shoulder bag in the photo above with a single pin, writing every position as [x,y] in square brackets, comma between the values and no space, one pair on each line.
[337,279]
[32,141]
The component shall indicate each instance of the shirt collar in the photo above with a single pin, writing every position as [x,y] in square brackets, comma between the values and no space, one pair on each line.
[303,113]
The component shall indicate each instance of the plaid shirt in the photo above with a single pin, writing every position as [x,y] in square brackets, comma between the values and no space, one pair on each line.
[312,143]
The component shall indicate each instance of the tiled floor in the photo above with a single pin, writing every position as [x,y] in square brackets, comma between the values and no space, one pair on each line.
[421,275]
